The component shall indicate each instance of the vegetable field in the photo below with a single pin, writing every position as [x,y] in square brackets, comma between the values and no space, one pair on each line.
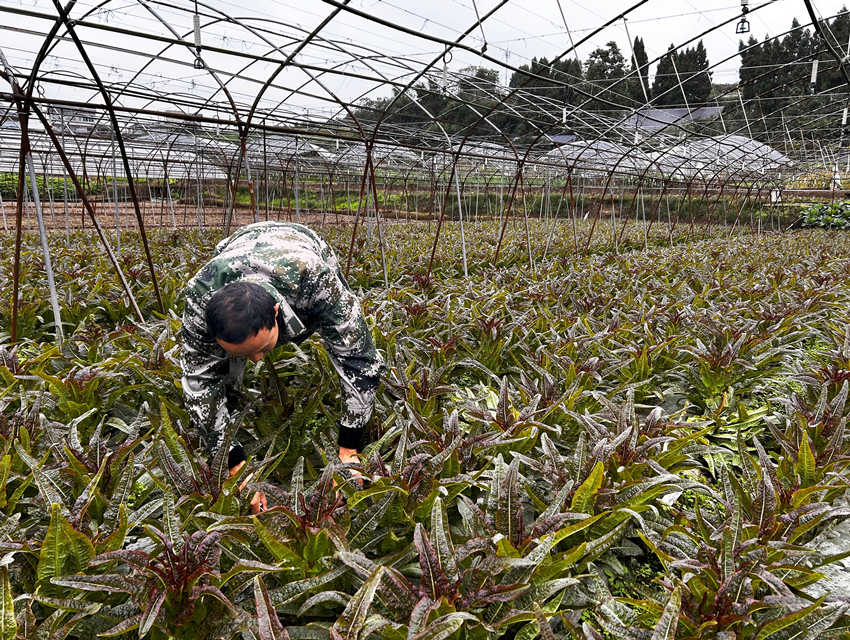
[641,437]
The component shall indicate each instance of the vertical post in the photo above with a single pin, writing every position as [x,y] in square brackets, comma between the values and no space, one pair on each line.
[460,217]
[197,181]
[634,59]
[521,169]
[347,194]
[322,197]
[371,167]
[115,198]
[744,110]
[679,80]
[297,204]
[48,187]
[266,169]
[64,179]
[168,195]
[48,265]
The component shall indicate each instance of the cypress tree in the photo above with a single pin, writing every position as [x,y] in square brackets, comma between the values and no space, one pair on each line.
[751,58]
[698,85]
[639,73]
[665,90]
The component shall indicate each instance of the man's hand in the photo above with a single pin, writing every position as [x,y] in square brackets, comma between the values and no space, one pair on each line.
[350,456]
[258,501]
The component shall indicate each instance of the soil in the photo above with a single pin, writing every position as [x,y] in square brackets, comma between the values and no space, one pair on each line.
[158,215]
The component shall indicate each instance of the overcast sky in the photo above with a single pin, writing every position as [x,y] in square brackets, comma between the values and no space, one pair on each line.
[517,31]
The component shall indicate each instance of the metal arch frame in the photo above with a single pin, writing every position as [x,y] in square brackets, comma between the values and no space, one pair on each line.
[603,126]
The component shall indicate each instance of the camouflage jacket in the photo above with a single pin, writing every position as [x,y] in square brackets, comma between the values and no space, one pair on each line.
[302,273]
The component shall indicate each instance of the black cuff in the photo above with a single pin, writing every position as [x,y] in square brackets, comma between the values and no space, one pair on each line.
[350,438]
[236,455]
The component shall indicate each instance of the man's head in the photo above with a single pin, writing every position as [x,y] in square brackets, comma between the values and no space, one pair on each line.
[242,318]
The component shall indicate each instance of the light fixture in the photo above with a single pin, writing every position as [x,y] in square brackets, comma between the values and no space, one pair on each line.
[196,24]
[744,24]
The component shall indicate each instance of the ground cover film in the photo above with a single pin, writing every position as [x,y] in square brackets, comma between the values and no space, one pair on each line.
[596,434]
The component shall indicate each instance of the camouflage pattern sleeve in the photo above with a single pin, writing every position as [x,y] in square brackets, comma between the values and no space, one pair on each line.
[340,322]
[205,369]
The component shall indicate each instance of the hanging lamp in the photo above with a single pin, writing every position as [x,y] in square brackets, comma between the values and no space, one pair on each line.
[744,24]
[196,22]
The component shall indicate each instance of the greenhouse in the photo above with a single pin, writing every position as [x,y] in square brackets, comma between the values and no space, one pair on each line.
[461,320]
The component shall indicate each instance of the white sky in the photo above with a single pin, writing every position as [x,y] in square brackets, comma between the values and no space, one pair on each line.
[519,30]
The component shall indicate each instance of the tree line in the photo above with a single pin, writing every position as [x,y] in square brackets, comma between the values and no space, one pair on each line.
[542,96]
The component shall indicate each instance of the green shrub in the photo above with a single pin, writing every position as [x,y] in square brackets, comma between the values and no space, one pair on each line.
[827,216]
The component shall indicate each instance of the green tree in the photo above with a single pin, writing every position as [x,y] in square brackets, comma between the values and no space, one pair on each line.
[639,73]
[837,30]
[696,76]
[606,67]
[665,90]
[478,84]
[688,68]
[543,96]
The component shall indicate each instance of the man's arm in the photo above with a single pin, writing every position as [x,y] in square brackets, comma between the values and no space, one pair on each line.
[352,351]
[204,371]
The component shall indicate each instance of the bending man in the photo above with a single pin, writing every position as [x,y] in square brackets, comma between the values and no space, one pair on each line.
[268,284]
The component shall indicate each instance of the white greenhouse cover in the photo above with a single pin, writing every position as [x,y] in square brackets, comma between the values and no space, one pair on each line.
[383,155]
[283,149]
[720,155]
[597,156]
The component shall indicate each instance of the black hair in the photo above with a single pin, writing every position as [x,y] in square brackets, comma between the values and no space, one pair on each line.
[238,311]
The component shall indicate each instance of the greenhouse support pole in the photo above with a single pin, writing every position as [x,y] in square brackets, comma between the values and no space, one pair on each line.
[322,197]
[187,184]
[681,86]
[460,217]
[19,211]
[347,194]
[252,197]
[48,265]
[614,223]
[525,217]
[540,212]
[168,196]
[49,190]
[744,110]
[87,207]
[638,68]
[65,181]
[3,211]
[228,205]
[356,221]
[150,199]
[115,198]
[266,169]
[297,203]
[377,215]
[198,182]
[477,194]
[554,219]
[233,184]
[501,199]
[573,209]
